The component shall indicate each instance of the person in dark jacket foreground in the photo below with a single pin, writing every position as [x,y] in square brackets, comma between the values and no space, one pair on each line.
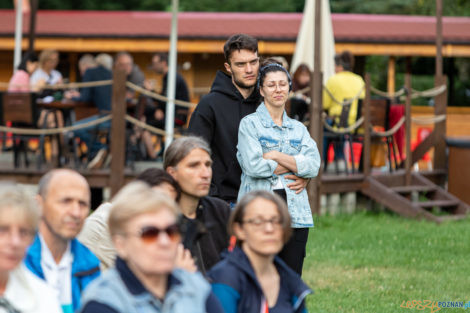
[204,219]
[144,226]
[252,279]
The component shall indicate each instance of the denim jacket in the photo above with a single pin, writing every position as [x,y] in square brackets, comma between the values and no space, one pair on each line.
[259,134]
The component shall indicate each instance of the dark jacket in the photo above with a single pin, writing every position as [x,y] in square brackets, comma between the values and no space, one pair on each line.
[181,93]
[100,95]
[235,284]
[206,236]
[216,119]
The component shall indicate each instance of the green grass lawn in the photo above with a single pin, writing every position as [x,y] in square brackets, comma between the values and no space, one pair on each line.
[372,262]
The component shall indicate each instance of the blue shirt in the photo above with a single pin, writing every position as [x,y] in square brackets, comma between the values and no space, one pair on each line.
[259,134]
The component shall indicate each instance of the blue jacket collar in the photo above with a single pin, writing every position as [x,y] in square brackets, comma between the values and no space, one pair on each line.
[268,122]
[84,261]
[33,258]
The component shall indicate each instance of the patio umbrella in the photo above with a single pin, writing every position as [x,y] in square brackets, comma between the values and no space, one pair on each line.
[304,48]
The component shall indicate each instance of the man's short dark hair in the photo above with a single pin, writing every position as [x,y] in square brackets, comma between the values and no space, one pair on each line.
[346,60]
[157,176]
[162,56]
[121,53]
[239,42]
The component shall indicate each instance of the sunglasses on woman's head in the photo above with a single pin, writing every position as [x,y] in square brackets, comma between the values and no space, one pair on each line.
[149,234]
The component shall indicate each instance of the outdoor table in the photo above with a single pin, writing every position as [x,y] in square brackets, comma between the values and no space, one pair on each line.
[72,111]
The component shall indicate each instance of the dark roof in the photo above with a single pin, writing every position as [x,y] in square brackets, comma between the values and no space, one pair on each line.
[216,25]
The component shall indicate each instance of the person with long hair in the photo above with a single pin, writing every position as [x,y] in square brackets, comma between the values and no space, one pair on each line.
[252,279]
[272,146]
[19,82]
[300,101]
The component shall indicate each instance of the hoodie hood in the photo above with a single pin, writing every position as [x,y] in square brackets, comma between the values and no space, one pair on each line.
[223,84]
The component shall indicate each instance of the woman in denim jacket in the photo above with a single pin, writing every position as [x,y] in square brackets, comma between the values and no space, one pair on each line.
[272,146]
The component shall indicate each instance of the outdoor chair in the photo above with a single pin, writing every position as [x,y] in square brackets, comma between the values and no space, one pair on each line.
[379,119]
[20,109]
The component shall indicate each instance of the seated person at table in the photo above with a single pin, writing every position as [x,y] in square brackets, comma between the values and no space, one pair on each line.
[124,61]
[100,96]
[45,75]
[86,62]
[105,60]
[19,82]
[156,115]
[155,111]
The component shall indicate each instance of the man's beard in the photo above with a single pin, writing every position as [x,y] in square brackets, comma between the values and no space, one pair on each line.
[241,84]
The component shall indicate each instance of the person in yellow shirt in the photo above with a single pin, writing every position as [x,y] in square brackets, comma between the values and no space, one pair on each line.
[343,86]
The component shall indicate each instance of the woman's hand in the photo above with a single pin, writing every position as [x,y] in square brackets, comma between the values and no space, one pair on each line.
[184,259]
[299,183]
[287,161]
[271,155]
[281,170]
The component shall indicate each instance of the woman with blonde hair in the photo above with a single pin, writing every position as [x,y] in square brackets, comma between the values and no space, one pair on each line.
[20,290]
[47,73]
[144,227]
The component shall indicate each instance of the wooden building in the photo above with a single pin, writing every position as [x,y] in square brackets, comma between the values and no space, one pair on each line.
[202,35]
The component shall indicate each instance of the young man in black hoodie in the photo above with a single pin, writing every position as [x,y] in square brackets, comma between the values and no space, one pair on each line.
[218,115]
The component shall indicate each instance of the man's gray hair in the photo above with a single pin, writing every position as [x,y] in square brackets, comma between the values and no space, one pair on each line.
[87,59]
[45,180]
[105,60]
[181,147]
[43,184]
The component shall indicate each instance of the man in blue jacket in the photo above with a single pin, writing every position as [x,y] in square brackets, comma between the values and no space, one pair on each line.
[55,255]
